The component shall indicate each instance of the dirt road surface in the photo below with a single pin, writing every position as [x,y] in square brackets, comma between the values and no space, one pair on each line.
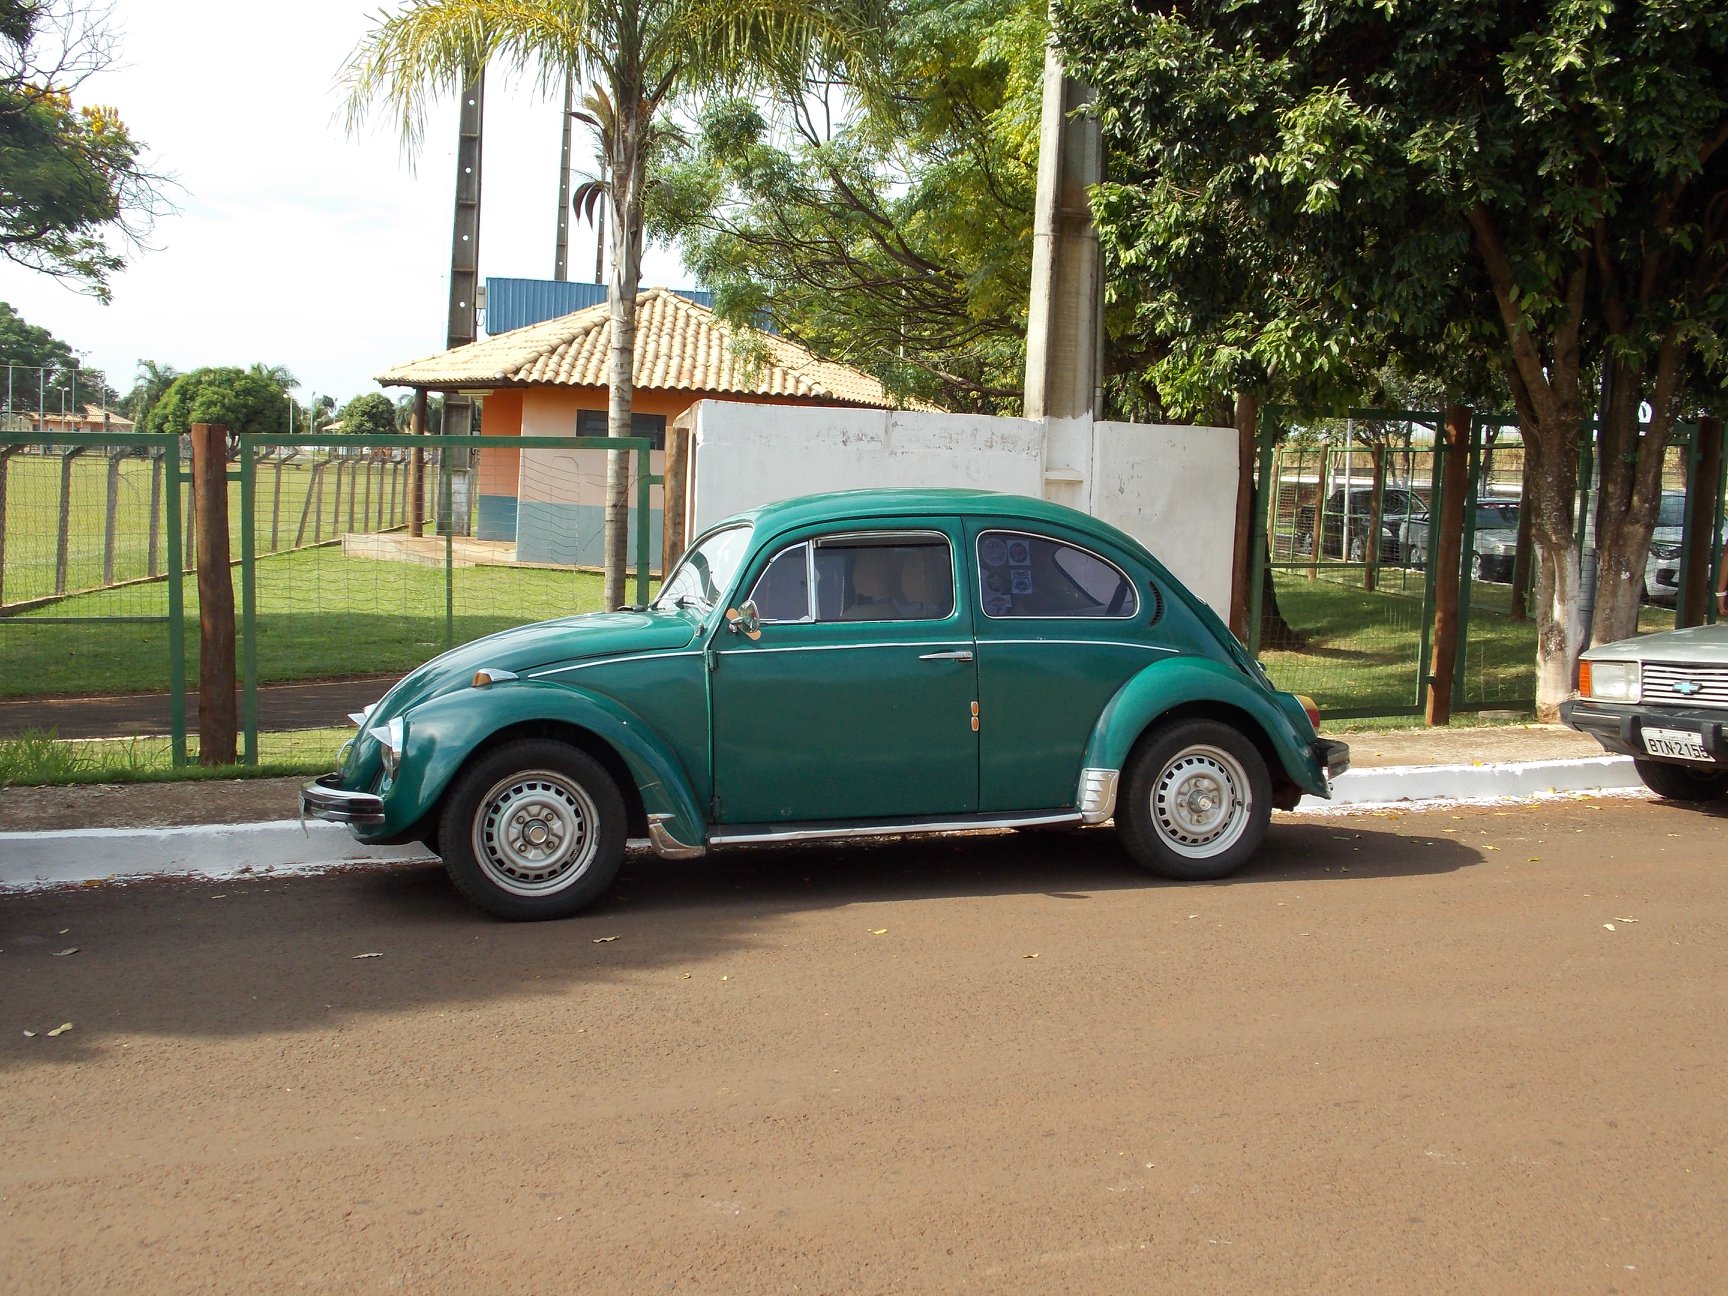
[1459,1050]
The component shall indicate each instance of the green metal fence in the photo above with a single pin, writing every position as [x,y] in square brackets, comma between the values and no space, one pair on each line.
[1343,540]
[95,547]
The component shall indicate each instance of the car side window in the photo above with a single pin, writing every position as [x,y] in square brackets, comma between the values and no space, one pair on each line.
[1021,575]
[782,591]
[897,576]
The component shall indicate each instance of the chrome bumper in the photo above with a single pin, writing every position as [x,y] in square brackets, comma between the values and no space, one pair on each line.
[1334,756]
[323,799]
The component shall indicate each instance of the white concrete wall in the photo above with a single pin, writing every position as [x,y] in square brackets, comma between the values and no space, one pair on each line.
[1172,488]
[747,455]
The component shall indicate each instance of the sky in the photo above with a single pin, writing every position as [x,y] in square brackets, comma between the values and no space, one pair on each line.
[295,242]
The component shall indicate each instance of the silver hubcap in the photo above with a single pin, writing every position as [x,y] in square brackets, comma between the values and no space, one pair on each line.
[536,832]
[1200,802]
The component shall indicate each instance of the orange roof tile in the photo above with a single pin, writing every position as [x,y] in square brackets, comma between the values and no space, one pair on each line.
[680,346]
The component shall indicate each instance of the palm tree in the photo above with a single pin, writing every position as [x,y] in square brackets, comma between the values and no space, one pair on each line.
[148,386]
[635,57]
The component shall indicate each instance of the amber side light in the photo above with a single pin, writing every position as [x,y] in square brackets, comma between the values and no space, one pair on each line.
[1312,708]
[1584,679]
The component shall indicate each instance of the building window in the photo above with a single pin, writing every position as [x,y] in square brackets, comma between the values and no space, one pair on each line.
[592,423]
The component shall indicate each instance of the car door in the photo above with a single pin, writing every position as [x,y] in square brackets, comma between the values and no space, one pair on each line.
[1061,625]
[857,698]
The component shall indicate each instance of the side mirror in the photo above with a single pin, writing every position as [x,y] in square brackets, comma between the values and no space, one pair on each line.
[745,620]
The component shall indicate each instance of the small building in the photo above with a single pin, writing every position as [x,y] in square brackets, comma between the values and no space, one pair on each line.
[89,418]
[549,379]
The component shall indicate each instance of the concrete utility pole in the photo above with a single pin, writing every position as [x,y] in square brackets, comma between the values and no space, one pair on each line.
[464,285]
[1064,352]
[561,247]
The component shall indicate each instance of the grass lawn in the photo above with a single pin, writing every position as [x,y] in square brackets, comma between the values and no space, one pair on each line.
[320,616]
[360,496]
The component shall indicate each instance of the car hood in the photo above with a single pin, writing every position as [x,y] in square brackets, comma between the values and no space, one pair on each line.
[1706,644]
[524,649]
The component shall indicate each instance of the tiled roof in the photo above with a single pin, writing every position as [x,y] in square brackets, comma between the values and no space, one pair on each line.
[680,346]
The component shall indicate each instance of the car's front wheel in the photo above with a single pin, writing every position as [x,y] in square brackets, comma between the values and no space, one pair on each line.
[1680,782]
[1196,801]
[533,830]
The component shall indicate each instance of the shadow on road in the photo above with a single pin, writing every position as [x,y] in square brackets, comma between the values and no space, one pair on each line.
[215,959]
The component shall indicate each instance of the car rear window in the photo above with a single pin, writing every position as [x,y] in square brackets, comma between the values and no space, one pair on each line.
[1022,575]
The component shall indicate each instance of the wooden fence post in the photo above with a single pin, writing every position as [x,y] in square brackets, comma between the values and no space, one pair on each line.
[1702,510]
[417,468]
[1447,557]
[675,493]
[216,708]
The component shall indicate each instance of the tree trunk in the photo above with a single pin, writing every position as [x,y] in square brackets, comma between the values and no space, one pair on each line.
[1552,448]
[626,196]
[1247,443]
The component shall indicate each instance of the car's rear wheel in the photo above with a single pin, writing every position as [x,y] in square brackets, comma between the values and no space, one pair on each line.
[1196,801]
[533,830]
[1680,782]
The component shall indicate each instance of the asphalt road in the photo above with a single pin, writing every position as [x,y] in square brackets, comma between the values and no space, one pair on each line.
[1457,1050]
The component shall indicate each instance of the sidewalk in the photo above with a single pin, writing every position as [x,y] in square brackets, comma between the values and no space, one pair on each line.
[229,827]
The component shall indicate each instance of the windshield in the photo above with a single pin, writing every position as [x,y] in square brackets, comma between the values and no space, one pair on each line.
[1672,512]
[1496,517]
[703,573]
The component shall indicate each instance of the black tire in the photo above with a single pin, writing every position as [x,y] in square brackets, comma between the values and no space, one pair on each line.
[533,830]
[1681,782]
[1196,799]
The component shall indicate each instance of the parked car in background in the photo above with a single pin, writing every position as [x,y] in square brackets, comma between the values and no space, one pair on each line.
[1661,699]
[1662,567]
[842,665]
[1493,543]
[1348,518]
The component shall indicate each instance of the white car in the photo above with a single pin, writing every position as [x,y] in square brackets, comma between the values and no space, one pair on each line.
[1661,699]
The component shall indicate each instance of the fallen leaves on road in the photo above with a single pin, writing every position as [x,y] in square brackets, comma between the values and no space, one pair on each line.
[61,1029]
[63,953]
[370,954]
[601,940]
[878,931]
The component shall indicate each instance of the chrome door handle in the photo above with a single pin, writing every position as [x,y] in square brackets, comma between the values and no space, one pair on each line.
[963,654]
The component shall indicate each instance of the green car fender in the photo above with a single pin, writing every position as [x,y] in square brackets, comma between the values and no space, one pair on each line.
[441,734]
[1202,685]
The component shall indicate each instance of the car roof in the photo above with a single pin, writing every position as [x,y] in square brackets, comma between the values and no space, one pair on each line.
[888,502]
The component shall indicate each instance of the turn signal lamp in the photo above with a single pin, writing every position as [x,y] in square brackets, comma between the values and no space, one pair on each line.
[1312,708]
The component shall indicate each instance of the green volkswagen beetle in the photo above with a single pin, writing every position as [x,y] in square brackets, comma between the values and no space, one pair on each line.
[841,665]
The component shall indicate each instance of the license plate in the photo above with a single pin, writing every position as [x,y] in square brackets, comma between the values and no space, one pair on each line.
[1675,742]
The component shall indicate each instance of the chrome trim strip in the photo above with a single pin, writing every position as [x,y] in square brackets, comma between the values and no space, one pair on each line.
[609,661]
[1098,794]
[963,655]
[666,846]
[493,676]
[846,647]
[756,836]
[1106,643]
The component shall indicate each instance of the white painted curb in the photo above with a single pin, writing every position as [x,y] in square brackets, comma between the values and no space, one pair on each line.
[33,859]
[41,859]
[1394,783]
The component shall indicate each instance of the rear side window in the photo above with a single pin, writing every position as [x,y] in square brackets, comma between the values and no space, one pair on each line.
[897,576]
[1021,575]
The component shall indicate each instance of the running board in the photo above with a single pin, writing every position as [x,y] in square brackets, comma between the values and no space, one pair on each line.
[776,834]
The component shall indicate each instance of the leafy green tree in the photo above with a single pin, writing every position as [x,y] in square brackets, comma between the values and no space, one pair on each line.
[371,414]
[72,179]
[434,413]
[887,220]
[1536,188]
[241,400]
[45,372]
[635,58]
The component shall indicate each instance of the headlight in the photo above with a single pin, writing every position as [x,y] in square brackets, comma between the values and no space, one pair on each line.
[1608,681]
[389,738]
